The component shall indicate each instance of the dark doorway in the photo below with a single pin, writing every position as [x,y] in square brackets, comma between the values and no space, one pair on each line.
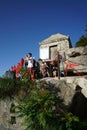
[53,52]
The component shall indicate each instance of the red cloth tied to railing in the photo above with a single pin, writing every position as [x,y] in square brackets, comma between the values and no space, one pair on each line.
[70,65]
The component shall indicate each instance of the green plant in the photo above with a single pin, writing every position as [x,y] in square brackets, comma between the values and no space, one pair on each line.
[40,112]
[23,72]
[82,41]
[37,108]
[10,87]
[82,125]
[6,87]
[69,121]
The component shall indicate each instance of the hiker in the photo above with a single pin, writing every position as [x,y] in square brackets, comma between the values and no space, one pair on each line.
[30,66]
[44,69]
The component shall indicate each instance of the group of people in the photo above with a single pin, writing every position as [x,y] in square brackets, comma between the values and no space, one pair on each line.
[35,69]
[29,63]
[41,68]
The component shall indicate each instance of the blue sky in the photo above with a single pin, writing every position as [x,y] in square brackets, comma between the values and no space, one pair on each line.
[25,23]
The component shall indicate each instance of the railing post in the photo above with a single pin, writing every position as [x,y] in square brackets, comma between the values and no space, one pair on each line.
[58,65]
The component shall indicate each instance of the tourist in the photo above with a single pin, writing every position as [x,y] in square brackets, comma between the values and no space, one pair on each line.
[44,69]
[30,67]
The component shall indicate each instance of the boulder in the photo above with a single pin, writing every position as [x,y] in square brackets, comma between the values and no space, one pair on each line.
[73,93]
[78,56]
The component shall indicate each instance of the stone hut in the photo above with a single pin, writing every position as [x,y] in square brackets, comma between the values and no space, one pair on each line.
[53,44]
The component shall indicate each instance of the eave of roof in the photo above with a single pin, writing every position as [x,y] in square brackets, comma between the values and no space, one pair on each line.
[54,38]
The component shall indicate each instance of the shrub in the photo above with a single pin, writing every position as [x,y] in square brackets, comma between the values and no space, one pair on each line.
[10,87]
[82,42]
[39,110]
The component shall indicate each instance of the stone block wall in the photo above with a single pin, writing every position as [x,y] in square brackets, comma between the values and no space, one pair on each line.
[9,120]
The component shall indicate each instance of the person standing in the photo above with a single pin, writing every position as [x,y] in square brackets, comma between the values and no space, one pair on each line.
[30,67]
[44,69]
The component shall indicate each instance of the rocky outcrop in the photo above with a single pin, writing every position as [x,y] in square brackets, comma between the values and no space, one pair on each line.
[78,55]
[68,86]
[71,93]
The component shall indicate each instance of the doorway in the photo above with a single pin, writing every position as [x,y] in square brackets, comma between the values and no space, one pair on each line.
[53,52]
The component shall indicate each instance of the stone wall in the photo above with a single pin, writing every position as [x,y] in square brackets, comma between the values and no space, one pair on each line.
[9,120]
[63,45]
[61,42]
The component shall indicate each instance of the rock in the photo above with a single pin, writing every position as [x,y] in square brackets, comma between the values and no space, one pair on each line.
[73,93]
[64,90]
[67,86]
[78,56]
[77,50]
[81,60]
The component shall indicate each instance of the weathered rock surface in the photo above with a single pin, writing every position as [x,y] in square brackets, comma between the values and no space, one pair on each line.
[8,120]
[73,92]
[67,86]
[78,55]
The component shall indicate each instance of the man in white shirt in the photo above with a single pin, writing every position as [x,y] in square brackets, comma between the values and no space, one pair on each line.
[30,67]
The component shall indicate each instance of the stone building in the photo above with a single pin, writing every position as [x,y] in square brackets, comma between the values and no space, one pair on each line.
[53,44]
